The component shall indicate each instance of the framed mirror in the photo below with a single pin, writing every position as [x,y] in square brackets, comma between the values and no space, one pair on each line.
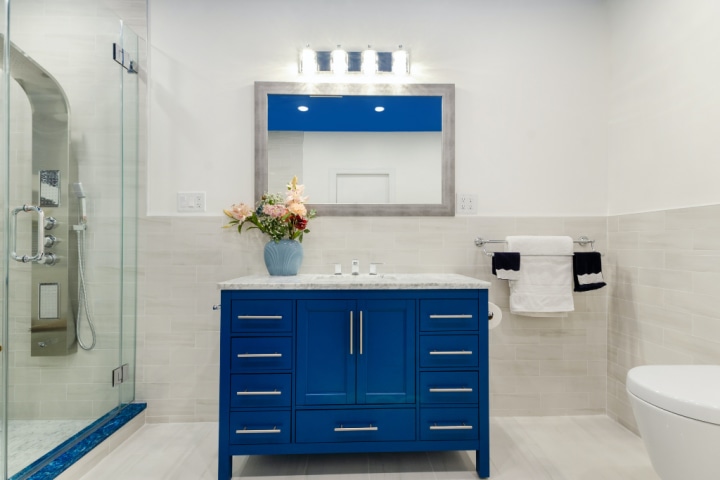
[359,149]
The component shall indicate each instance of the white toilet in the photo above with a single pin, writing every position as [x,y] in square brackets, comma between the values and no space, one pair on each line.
[677,408]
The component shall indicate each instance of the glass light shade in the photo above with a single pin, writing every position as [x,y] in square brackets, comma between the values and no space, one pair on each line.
[308,61]
[369,65]
[400,61]
[339,61]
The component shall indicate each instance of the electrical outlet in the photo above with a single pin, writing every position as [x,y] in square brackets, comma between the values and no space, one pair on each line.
[466,204]
[191,201]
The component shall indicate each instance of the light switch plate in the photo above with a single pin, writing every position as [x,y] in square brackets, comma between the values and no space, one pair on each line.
[191,202]
[466,204]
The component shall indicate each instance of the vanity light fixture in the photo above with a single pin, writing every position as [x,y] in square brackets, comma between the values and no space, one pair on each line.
[308,63]
[400,61]
[303,108]
[369,62]
[339,61]
[369,65]
[379,109]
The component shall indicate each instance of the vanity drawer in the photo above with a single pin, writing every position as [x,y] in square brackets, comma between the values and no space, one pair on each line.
[449,314]
[260,390]
[449,387]
[449,351]
[449,424]
[261,353]
[260,427]
[262,315]
[366,425]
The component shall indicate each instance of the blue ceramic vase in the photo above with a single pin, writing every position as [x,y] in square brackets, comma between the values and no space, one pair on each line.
[283,257]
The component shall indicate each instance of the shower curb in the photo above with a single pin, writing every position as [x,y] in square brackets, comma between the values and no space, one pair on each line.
[80,445]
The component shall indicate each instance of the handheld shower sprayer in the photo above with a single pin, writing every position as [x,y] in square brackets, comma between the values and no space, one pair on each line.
[80,193]
[83,300]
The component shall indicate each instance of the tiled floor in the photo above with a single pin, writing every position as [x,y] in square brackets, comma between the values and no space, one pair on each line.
[522,448]
[29,440]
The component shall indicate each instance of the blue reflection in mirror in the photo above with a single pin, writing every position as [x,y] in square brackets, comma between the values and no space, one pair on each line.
[354,113]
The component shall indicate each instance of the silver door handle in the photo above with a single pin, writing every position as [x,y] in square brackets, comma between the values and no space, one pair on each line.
[245,430]
[451,316]
[361,333]
[258,355]
[450,390]
[274,392]
[451,427]
[351,332]
[356,429]
[461,352]
[259,317]
[40,235]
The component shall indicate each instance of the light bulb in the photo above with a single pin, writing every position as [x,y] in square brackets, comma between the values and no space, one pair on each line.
[400,61]
[308,61]
[339,61]
[369,65]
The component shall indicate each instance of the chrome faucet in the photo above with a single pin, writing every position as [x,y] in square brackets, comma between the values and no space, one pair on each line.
[355,267]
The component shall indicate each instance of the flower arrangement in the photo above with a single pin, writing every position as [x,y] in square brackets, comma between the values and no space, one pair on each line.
[281,216]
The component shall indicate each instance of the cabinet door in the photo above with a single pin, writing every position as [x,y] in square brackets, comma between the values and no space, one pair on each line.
[386,351]
[325,352]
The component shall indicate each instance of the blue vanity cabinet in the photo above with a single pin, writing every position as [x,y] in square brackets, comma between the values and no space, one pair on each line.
[355,352]
[313,370]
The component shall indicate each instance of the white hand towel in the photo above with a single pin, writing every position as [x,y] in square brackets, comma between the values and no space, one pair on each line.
[545,284]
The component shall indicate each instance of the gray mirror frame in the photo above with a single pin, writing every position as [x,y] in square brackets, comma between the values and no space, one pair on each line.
[446,91]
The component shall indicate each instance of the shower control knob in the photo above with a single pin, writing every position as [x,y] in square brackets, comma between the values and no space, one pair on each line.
[50,223]
[50,240]
[49,259]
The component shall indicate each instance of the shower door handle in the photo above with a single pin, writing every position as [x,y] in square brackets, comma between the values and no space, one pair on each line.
[38,257]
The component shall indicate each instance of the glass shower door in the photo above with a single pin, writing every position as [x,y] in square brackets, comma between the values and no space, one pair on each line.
[69,186]
[4,199]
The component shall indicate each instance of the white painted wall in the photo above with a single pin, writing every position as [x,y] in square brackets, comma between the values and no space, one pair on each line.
[411,159]
[665,105]
[530,76]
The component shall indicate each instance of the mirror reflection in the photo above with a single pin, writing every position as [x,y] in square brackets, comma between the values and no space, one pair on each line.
[358,149]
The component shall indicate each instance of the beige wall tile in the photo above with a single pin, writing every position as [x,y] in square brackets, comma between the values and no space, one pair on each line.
[179,327]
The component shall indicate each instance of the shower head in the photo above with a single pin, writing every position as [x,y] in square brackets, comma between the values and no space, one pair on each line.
[80,193]
[78,189]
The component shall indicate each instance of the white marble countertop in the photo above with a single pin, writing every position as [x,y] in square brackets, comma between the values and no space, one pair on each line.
[387,281]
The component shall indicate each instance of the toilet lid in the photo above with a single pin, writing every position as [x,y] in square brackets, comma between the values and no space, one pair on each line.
[689,390]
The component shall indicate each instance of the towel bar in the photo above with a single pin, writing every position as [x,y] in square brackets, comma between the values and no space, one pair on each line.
[582,241]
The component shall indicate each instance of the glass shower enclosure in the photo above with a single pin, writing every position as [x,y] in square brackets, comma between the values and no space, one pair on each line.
[69,180]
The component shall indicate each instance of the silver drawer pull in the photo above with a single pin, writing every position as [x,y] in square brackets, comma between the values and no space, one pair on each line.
[450,390]
[245,430]
[260,317]
[258,355]
[461,352]
[356,429]
[451,427]
[274,392]
[451,316]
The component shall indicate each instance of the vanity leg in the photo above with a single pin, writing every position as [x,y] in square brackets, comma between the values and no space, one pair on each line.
[482,463]
[224,467]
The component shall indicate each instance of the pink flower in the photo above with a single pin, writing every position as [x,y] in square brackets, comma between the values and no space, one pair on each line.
[297,209]
[239,212]
[295,191]
[275,211]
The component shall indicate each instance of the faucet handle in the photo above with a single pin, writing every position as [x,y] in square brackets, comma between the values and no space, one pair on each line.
[373,267]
